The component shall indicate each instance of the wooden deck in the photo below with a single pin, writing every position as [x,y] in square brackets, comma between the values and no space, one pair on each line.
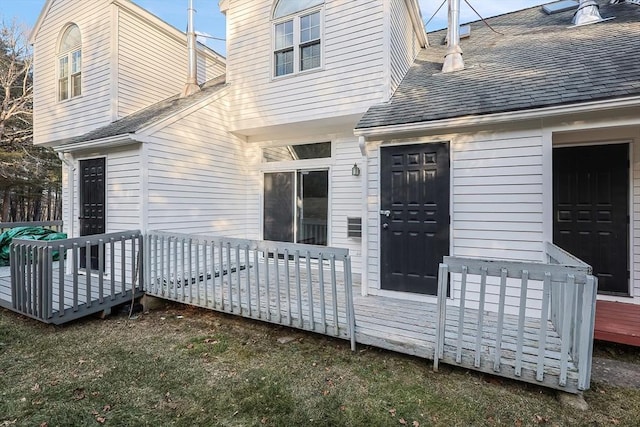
[618,322]
[97,302]
[404,326]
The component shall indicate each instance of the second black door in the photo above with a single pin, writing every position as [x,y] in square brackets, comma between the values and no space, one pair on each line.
[591,208]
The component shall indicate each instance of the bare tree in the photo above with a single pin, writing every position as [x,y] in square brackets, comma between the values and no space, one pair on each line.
[28,174]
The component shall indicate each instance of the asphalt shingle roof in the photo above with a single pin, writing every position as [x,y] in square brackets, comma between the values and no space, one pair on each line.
[539,61]
[149,115]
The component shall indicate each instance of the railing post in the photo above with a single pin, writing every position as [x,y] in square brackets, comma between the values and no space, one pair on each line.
[438,353]
[351,318]
[586,332]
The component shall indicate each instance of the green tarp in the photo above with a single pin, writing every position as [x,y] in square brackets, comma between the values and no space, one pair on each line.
[29,233]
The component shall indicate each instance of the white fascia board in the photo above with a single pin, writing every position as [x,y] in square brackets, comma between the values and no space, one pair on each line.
[487,119]
[38,24]
[110,142]
[416,20]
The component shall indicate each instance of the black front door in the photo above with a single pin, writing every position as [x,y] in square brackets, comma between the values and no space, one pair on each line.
[414,216]
[92,199]
[591,208]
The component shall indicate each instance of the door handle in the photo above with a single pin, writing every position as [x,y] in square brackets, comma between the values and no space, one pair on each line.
[386,213]
[385,225]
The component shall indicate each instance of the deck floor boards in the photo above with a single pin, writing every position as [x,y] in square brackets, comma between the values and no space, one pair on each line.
[618,322]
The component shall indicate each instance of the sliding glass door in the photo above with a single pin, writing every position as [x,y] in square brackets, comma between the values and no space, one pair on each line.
[296,206]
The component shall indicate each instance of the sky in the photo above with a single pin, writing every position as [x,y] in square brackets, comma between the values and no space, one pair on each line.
[210,21]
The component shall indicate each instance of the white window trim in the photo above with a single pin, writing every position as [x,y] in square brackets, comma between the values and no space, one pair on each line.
[69,55]
[296,42]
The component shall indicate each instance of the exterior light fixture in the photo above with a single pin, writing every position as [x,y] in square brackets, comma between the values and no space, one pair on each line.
[355,170]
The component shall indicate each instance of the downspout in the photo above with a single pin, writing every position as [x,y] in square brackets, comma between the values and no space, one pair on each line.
[191,86]
[453,59]
[71,180]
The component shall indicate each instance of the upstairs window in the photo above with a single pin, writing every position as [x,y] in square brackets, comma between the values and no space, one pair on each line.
[70,63]
[297,36]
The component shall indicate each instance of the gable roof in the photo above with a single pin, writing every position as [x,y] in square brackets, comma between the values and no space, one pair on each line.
[137,11]
[130,125]
[539,61]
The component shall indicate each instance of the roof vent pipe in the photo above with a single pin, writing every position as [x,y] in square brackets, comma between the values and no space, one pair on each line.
[588,12]
[191,86]
[453,59]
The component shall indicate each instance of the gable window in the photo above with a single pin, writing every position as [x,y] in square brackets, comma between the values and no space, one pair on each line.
[297,36]
[70,63]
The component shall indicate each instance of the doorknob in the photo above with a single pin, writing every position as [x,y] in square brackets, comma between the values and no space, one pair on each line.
[385,225]
[386,213]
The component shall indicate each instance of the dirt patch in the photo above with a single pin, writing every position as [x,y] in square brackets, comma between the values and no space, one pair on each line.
[615,373]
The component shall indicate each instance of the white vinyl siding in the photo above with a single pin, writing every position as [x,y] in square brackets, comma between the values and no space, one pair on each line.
[123,189]
[152,65]
[55,119]
[346,197]
[404,42]
[197,178]
[498,197]
[349,82]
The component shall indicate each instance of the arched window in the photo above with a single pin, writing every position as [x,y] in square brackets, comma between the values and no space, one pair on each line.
[70,63]
[297,36]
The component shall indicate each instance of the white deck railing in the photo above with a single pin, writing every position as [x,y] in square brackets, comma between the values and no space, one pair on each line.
[507,296]
[304,286]
[42,287]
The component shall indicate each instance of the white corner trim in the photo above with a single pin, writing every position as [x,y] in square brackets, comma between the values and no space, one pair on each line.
[416,20]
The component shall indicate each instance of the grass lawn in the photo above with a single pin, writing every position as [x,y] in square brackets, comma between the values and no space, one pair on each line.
[185,366]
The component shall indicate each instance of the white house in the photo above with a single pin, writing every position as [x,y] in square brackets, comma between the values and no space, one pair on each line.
[330,114]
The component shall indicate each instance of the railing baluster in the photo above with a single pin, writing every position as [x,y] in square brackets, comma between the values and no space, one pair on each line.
[523,311]
[323,312]
[288,283]
[312,321]
[544,318]
[229,277]
[334,294]
[267,280]
[569,289]
[483,293]
[247,261]
[351,316]
[257,276]
[75,257]
[49,285]
[61,287]
[197,275]
[112,266]
[100,271]
[296,259]
[463,299]
[221,274]
[205,273]
[187,281]
[239,278]
[499,330]
[276,268]
[87,267]
[123,265]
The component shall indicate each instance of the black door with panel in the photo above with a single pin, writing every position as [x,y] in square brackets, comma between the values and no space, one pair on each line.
[591,208]
[92,205]
[414,216]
